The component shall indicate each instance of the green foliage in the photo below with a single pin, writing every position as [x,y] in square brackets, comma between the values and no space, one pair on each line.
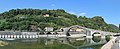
[107,38]
[27,19]
[96,39]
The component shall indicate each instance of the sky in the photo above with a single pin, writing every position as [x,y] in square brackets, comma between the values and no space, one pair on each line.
[108,9]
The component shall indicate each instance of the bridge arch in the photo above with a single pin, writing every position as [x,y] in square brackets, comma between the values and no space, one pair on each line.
[96,33]
[101,33]
[96,36]
[76,26]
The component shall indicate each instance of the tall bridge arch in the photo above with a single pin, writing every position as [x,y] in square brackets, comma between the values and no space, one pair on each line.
[66,31]
[88,32]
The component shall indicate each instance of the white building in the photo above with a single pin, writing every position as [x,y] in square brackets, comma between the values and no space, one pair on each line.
[48,28]
[46,15]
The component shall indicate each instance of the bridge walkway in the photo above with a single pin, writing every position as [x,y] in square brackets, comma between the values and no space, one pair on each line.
[110,44]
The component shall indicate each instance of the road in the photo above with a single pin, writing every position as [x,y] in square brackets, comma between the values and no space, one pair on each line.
[116,45]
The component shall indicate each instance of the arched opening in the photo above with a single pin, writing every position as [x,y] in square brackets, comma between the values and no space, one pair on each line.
[55,33]
[96,37]
[108,37]
[49,33]
[76,30]
[96,34]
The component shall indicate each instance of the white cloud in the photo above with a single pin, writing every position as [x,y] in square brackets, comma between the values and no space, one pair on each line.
[78,14]
[72,13]
[117,25]
[82,14]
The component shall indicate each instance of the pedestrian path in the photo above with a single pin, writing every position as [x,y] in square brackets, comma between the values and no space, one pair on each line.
[110,44]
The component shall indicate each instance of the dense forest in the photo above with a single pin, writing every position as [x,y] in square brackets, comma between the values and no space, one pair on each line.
[31,19]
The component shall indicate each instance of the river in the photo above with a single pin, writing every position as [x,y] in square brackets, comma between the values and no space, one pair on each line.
[53,43]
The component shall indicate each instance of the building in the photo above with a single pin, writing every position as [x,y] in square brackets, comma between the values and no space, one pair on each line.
[79,30]
[71,30]
[46,15]
[49,29]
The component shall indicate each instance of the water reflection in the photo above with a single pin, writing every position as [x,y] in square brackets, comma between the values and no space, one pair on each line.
[54,43]
[96,38]
[108,37]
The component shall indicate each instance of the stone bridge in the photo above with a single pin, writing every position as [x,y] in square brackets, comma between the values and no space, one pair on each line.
[87,31]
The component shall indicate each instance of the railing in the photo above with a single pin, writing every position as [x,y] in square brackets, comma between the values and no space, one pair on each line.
[38,36]
[27,36]
[18,36]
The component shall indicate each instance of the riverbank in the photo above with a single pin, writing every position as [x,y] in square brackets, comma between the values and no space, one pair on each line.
[109,44]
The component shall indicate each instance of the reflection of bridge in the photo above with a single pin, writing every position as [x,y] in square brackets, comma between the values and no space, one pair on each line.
[88,32]
[67,41]
[88,42]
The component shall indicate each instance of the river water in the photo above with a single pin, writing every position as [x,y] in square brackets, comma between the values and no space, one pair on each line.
[53,43]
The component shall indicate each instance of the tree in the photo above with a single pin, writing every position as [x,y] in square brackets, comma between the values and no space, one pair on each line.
[23,19]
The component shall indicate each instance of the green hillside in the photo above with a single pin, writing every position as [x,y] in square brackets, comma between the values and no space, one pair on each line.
[31,19]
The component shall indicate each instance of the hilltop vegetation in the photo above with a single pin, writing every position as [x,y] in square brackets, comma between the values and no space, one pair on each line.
[31,19]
